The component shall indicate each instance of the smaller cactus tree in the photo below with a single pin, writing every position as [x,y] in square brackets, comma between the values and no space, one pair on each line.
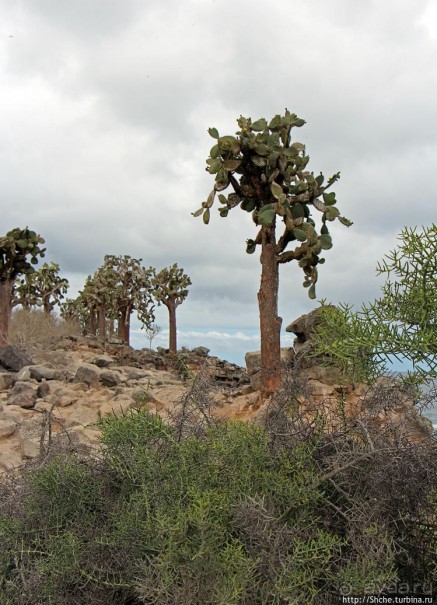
[98,297]
[42,288]
[131,290]
[88,300]
[19,251]
[117,289]
[75,310]
[170,287]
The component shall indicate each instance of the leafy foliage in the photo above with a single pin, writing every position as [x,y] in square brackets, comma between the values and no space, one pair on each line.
[401,323]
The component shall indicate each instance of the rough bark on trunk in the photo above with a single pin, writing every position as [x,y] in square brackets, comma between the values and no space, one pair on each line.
[5,309]
[47,306]
[111,327]
[101,323]
[92,323]
[171,306]
[270,322]
[124,325]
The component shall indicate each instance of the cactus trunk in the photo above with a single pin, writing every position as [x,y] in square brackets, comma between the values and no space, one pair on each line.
[124,324]
[270,322]
[101,323]
[92,323]
[5,309]
[171,306]
[47,305]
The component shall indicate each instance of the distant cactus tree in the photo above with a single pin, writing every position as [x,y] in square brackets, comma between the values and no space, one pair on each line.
[98,298]
[23,292]
[266,170]
[19,251]
[170,287]
[130,289]
[88,301]
[74,309]
[42,288]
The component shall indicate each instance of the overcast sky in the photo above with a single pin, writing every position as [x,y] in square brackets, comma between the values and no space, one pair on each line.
[105,106]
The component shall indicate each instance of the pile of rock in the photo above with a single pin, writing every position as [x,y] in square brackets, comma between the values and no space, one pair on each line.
[61,394]
[75,385]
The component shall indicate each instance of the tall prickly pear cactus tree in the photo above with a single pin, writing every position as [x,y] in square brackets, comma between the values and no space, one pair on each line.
[170,287]
[44,287]
[19,251]
[267,172]
[132,291]
[88,301]
[104,304]
[99,298]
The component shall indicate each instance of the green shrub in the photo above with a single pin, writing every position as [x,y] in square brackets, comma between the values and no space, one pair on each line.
[227,517]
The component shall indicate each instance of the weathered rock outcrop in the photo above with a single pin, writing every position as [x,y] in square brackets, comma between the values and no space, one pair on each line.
[69,389]
[73,386]
[303,327]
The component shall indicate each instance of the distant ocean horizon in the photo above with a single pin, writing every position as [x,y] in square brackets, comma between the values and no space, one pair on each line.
[431,412]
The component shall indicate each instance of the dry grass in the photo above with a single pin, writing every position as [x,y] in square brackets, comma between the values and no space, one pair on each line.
[30,328]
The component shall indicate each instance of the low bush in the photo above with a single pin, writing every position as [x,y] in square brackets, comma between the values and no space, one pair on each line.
[234,514]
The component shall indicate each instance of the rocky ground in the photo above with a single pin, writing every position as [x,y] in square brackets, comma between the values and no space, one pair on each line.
[62,393]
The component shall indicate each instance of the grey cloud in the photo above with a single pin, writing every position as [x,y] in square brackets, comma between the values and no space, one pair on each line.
[103,140]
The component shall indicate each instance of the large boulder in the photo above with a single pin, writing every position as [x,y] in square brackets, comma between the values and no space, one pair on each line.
[110,378]
[23,394]
[303,327]
[13,359]
[201,351]
[89,374]
[41,372]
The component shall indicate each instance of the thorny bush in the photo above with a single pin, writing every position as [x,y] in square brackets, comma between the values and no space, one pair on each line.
[201,512]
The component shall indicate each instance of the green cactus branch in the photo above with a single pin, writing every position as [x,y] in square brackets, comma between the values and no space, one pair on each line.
[42,288]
